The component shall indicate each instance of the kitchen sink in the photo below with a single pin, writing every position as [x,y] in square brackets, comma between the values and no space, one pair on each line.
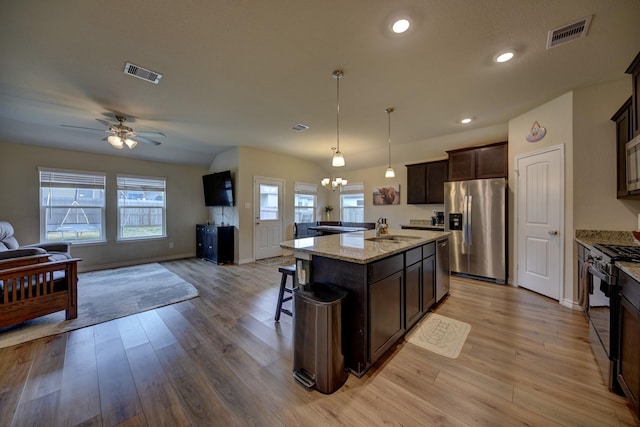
[392,238]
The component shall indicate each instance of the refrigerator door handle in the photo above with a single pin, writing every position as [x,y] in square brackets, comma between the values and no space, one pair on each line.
[469,229]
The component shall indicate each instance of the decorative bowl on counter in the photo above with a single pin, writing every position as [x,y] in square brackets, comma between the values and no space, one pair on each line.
[636,235]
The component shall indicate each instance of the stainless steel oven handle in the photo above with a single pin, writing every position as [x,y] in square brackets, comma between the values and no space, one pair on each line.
[600,275]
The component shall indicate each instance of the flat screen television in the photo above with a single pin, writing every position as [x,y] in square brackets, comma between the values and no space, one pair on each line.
[218,189]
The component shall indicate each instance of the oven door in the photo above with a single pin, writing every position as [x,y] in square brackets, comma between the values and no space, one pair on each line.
[600,322]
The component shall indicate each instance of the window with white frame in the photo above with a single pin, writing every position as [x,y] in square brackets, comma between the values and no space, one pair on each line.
[141,207]
[72,205]
[304,203]
[352,202]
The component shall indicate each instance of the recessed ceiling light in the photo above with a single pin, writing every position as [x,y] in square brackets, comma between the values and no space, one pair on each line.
[466,120]
[400,26]
[504,56]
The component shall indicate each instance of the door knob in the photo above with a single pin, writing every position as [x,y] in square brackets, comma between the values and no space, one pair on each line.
[553,232]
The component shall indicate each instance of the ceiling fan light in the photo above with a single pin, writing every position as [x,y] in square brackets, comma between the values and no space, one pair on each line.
[337,160]
[390,173]
[130,143]
[115,141]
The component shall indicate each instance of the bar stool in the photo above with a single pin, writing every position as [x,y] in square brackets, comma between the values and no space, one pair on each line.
[288,270]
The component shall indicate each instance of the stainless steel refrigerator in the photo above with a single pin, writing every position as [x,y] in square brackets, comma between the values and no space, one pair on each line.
[476,215]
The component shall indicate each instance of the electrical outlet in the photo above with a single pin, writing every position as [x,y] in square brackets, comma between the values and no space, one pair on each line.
[170,245]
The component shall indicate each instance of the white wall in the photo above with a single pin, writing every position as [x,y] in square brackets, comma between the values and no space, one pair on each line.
[254,162]
[19,201]
[579,120]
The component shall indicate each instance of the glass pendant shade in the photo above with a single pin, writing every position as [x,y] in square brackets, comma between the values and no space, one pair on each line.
[115,141]
[390,173]
[337,160]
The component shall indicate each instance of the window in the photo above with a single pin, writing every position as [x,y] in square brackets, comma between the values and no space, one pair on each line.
[304,203]
[352,203]
[141,207]
[269,202]
[71,206]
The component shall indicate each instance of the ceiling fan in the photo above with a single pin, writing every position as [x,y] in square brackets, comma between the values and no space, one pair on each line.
[122,135]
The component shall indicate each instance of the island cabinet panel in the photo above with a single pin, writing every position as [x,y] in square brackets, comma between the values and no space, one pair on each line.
[428,276]
[353,278]
[386,314]
[413,294]
[385,298]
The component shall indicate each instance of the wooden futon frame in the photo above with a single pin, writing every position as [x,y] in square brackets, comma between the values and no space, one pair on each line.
[32,286]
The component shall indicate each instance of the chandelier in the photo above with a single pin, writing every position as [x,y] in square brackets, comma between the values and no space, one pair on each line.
[332,184]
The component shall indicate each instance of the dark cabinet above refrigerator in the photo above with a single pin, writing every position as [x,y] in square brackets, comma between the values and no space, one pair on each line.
[488,161]
[425,182]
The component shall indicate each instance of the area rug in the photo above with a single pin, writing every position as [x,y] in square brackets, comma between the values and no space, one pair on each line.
[440,335]
[106,295]
[278,260]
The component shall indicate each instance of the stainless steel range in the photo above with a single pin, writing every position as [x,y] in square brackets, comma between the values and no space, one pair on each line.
[602,310]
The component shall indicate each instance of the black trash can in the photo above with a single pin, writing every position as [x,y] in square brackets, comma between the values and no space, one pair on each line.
[318,359]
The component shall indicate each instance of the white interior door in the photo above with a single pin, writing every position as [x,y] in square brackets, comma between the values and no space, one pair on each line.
[267,234]
[539,216]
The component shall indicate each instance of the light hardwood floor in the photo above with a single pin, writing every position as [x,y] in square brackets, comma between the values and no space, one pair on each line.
[220,359]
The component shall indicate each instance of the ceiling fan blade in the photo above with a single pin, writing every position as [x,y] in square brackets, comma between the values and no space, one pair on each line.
[156,134]
[80,127]
[104,122]
[145,140]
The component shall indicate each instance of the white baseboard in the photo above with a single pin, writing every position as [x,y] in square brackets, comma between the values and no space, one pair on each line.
[127,263]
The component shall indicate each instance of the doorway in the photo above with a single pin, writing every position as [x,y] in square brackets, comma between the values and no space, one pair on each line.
[539,213]
[268,197]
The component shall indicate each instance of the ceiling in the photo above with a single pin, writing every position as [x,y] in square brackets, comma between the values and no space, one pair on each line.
[243,72]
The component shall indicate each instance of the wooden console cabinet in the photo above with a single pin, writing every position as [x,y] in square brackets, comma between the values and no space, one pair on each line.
[215,243]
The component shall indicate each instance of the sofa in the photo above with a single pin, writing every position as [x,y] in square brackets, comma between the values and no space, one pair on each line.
[35,280]
[57,251]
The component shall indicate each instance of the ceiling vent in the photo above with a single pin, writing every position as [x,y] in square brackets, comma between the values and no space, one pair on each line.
[568,33]
[299,127]
[142,73]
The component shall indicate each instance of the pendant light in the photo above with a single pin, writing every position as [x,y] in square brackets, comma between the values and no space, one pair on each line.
[337,159]
[389,173]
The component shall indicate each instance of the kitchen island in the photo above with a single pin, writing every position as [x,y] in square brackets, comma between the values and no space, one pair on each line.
[392,281]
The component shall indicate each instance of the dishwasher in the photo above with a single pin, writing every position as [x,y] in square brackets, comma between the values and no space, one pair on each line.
[442,269]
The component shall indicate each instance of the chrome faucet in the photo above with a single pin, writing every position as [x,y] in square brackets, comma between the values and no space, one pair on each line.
[381,226]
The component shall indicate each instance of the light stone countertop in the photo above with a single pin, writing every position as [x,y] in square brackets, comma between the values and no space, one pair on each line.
[354,247]
[631,268]
[591,237]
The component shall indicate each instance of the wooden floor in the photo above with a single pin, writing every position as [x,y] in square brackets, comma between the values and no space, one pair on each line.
[220,359]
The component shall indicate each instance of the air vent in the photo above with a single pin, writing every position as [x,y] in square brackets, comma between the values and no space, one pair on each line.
[568,33]
[300,127]
[142,73]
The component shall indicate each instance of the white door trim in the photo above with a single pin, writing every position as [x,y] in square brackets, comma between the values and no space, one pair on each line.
[517,232]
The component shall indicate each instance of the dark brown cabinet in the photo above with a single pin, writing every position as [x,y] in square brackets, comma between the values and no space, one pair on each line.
[425,182]
[386,304]
[488,161]
[634,70]
[215,244]
[624,133]
[429,276]
[629,339]
[413,287]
